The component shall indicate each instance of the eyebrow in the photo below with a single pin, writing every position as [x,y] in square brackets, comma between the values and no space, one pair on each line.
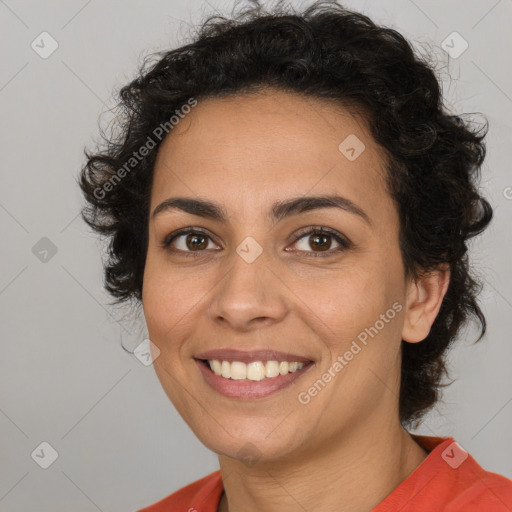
[278,211]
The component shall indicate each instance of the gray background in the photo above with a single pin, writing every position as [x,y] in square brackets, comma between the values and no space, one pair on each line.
[64,377]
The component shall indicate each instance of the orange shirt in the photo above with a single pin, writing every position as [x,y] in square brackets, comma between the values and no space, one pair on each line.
[448,480]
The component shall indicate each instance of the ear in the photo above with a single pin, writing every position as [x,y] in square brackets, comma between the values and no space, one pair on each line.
[424,298]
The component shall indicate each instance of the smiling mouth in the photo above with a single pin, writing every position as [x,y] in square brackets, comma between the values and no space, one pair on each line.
[252,371]
[258,385]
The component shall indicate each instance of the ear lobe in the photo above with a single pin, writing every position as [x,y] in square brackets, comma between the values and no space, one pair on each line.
[423,302]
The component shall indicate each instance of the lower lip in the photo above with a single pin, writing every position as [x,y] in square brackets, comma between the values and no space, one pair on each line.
[248,389]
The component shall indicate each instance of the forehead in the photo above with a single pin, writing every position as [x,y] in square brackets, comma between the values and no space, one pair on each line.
[267,146]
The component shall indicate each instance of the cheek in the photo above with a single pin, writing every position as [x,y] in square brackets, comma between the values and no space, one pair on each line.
[159,292]
[171,299]
[352,301]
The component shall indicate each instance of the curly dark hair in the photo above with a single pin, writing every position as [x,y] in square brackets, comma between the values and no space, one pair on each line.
[326,51]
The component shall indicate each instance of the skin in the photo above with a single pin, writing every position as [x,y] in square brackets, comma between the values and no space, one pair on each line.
[246,152]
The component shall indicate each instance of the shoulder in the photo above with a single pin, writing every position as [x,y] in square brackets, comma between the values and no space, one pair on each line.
[481,490]
[202,495]
[449,480]
[465,484]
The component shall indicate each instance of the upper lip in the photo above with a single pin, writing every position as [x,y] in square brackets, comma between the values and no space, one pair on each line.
[226,354]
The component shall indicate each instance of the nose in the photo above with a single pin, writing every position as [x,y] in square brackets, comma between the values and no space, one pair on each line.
[249,295]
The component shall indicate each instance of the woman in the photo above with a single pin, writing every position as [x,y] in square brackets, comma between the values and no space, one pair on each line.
[290,203]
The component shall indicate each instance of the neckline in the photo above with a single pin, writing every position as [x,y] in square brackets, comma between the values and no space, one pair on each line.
[431,444]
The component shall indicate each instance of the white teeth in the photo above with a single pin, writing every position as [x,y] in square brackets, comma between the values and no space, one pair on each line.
[255,370]
[238,370]
[216,366]
[226,369]
[272,369]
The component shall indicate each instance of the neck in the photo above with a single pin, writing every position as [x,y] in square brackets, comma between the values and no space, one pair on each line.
[353,474]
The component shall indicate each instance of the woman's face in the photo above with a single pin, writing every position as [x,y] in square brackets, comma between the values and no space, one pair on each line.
[255,281]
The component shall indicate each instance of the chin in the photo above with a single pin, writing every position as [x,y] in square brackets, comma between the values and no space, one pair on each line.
[249,442]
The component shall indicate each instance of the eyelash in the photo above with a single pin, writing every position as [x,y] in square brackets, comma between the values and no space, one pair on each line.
[317,230]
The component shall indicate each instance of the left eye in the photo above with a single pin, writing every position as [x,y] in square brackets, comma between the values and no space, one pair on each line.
[321,239]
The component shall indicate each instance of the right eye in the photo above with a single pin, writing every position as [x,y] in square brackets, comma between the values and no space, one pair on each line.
[187,241]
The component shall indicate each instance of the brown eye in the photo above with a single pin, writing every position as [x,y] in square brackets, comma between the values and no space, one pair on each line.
[313,242]
[187,240]
[320,240]
[194,242]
